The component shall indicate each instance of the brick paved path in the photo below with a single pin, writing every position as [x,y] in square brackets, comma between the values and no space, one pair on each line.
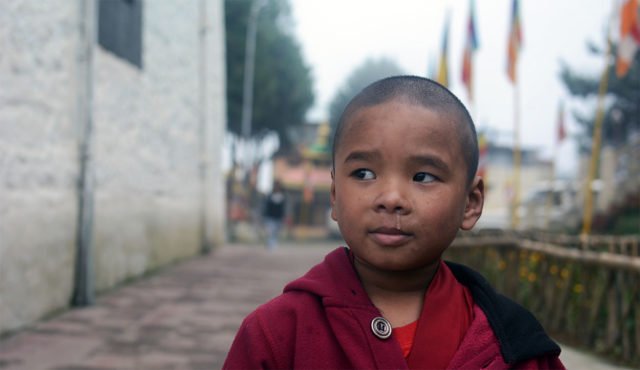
[182,317]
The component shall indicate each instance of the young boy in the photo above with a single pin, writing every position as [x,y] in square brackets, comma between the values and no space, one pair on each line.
[405,156]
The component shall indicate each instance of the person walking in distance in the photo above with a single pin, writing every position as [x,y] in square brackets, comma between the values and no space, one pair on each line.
[274,211]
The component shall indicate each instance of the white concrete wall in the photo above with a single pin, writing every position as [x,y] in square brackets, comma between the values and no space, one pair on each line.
[38,158]
[216,114]
[147,150]
[153,130]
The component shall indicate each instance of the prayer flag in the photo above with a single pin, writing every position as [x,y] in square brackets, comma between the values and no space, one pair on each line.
[471,44]
[443,70]
[515,41]
[629,41]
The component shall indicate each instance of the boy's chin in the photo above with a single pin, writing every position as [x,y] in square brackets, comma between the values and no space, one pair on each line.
[398,264]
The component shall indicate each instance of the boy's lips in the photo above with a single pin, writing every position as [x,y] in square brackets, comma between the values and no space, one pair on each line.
[389,236]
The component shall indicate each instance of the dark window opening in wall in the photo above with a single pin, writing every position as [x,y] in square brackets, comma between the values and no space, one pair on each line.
[120,29]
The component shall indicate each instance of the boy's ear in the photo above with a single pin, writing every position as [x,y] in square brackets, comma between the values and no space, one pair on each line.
[475,201]
[332,196]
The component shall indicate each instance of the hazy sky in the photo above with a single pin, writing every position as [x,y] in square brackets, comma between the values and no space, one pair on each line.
[339,35]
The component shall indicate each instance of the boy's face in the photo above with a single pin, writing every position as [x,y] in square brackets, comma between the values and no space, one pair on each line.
[399,190]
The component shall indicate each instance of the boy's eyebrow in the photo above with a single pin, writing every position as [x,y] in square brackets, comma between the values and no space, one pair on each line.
[421,159]
[429,160]
[362,155]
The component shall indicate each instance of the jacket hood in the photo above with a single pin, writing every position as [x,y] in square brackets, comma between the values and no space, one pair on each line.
[333,281]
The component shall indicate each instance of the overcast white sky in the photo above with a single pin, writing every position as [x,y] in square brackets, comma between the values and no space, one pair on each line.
[339,35]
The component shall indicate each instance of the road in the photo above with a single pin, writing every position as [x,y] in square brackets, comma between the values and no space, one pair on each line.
[181,317]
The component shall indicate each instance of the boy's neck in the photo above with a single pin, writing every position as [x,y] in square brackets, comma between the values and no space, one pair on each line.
[399,295]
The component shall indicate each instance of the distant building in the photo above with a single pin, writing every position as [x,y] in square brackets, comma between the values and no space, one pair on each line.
[552,206]
[499,186]
[616,187]
[305,174]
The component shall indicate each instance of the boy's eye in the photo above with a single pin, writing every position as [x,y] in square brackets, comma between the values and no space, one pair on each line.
[423,177]
[363,174]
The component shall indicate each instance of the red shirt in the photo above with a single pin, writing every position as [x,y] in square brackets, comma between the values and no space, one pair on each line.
[404,335]
[446,315]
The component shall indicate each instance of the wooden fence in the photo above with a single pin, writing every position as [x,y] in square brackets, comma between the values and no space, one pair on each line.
[585,292]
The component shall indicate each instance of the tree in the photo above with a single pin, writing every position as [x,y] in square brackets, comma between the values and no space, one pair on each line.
[622,114]
[283,90]
[370,71]
[621,123]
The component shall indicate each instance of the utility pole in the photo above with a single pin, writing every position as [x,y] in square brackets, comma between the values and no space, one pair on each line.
[249,67]
[205,132]
[83,290]
[247,98]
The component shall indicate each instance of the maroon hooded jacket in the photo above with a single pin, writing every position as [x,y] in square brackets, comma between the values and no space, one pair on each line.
[323,321]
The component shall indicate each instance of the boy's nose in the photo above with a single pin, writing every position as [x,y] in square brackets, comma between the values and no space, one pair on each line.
[392,200]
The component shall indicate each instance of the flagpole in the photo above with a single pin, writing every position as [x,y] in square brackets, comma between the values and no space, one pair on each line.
[517,156]
[443,71]
[560,134]
[552,180]
[515,40]
[587,217]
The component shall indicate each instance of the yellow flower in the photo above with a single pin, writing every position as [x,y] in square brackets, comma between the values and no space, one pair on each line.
[553,269]
[502,265]
[535,257]
[578,288]
[532,277]
[523,272]
[564,273]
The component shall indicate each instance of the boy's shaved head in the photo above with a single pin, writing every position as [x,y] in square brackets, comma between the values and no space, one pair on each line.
[420,91]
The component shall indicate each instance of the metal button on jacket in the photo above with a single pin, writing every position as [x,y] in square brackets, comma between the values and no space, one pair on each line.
[381,327]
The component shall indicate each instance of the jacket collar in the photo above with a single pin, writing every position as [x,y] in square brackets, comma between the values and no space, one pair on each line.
[520,335]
